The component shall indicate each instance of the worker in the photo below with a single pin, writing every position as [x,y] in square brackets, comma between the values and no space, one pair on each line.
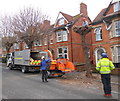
[43,65]
[104,66]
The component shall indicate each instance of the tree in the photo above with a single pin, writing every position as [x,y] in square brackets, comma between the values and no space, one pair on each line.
[83,31]
[7,32]
[29,26]
[7,42]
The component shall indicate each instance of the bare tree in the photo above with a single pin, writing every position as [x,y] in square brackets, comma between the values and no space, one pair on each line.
[7,42]
[28,25]
[7,32]
[83,31]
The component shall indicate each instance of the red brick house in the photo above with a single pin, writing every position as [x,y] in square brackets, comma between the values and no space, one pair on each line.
[63,41]
[68,43]
[106,33]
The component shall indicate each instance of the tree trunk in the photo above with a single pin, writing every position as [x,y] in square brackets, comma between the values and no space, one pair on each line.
[87,61]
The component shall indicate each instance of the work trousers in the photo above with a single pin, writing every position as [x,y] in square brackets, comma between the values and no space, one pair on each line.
[106,80]
[44,75]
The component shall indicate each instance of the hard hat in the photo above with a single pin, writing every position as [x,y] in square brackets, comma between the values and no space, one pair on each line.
[104,55]
[43,57]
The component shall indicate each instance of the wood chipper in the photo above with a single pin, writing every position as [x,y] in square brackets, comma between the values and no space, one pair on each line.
[59,66]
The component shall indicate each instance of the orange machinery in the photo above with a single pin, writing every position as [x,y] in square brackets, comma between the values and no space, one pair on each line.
[60,66]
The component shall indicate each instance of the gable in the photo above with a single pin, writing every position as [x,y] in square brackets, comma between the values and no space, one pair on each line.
[60,19]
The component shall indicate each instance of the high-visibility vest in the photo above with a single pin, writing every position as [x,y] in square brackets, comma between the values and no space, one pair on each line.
[105,66]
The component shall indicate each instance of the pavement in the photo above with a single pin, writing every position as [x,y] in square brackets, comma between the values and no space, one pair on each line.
[79,79]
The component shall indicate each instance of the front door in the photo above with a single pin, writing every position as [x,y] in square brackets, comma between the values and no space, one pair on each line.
[98,54]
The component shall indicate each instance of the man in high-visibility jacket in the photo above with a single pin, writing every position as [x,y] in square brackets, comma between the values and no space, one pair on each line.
[104,66]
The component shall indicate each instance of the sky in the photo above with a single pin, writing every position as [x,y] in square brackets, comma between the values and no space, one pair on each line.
[53,7]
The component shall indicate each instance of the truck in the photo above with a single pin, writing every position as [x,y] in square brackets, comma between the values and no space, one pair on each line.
[59,66]
[24,60]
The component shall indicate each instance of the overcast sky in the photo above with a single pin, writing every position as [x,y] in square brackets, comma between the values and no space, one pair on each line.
[52,7]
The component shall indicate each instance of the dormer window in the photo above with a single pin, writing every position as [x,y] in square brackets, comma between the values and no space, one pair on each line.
[117,6]
[61,21]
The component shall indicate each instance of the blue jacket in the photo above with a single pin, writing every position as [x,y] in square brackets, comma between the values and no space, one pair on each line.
[43,64]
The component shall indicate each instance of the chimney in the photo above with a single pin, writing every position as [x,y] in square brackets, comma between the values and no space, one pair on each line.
[83,10]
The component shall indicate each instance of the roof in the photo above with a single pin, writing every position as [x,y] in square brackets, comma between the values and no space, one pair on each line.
[100,16]
[68,17]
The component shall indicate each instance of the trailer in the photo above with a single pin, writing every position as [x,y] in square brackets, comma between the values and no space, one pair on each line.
[24,60]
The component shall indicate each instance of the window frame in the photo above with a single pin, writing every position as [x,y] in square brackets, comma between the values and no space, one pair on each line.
[45,40]
[118,55]
[117,6]
[61,21]
[117,23]
[51,39]
[16,46]
[63,36]
[99,32]
[63,53]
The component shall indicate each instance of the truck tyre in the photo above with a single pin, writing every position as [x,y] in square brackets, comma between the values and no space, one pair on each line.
[23,69]
[10,66]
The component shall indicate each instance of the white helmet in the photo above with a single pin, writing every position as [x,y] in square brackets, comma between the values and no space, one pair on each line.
[43,57]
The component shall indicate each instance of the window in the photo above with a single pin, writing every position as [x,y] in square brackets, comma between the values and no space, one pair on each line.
[65,38]
[51,39]
[117,6]
[98,32]
[37,43]
[62,36]
[117,28]
[61,21]
[113,54]
[63,52]
[85,23]
[45,40]
[89,52]
[16,46]
[118,54]
[26,46]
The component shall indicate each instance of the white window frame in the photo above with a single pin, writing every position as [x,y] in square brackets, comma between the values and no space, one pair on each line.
[65,36]
[63,53]
[51,39]
[117,27]
[118,55]
[113,54]
[45,40]
[98,32]
[61,21]
[16,46]
[37,43]
[62,36]
[59,37]
[117,6]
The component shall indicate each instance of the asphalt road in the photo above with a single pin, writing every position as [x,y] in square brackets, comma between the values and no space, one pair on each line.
[16,85]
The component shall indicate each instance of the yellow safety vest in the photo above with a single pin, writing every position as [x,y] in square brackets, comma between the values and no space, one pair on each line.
[105,66]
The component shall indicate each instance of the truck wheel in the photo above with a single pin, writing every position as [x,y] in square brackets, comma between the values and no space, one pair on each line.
[10,66]
[23,69]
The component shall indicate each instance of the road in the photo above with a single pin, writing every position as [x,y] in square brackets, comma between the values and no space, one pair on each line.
[16,85]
